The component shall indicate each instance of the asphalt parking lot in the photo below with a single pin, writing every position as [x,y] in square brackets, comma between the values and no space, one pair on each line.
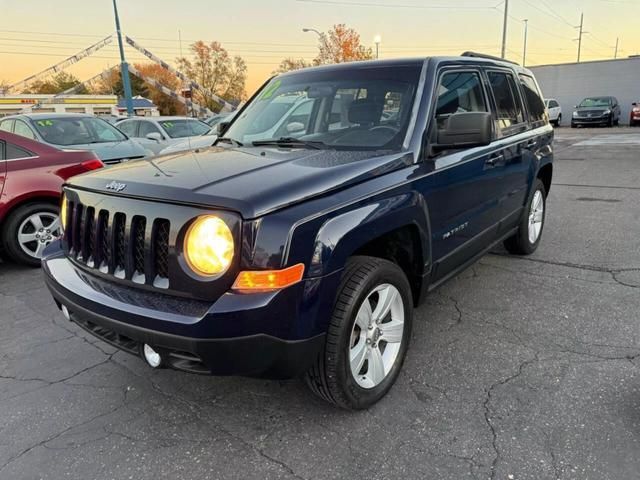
[520,368]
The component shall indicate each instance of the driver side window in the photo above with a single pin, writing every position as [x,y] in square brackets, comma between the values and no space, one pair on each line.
[459,92]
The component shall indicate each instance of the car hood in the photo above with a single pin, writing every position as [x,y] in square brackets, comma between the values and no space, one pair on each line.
[112,151]
[251,181]
[203,141]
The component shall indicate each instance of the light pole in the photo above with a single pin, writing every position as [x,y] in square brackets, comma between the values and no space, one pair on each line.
[124,67]
[524,51]
[377,39]
[306,30]
[504,28]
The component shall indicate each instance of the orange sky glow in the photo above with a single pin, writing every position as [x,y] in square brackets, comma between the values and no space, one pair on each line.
[39,33]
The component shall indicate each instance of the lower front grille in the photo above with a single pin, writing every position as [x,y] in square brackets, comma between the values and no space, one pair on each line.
[116,245]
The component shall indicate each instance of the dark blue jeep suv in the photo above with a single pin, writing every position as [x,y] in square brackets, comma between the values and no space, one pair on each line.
[301,241]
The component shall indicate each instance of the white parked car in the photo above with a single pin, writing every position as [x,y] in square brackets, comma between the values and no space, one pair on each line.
[158,133]
[555,111]
[191,143]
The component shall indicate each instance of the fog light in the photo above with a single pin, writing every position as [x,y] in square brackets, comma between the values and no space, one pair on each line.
[152,357]
[65,312]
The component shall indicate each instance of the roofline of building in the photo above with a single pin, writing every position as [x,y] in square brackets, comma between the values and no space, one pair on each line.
[606,60]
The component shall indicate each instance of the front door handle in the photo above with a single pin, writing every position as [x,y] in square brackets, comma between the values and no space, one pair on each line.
[492,161]
[531,144]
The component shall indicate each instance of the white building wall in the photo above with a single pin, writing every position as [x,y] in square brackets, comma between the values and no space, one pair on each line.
[571,82]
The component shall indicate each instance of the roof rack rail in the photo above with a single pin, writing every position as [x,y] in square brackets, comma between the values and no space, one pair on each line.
[488,57]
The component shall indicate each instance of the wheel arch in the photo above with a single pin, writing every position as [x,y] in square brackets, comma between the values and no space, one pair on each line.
[33,197]
[393,228]
[545,174]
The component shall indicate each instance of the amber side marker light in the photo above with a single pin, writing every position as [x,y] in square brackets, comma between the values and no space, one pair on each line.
[266,280]
[63,212]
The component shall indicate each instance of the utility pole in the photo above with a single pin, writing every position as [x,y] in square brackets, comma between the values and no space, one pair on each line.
[124,67]
[504,28]
[615,55]
[524,52]
[582,32]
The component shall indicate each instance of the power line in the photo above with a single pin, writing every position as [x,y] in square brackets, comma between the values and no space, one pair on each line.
[390,5]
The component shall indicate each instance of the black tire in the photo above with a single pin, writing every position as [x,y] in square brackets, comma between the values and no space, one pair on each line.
[573,125]
[559,120]
[610,121]
[9,235]
[331,378]
[519,243]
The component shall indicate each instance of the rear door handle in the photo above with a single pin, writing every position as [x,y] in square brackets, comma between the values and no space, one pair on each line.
[531,144]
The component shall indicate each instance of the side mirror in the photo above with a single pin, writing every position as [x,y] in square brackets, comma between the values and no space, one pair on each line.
[222,127]
[465,130]
[634,104]
[155,136]
[294,127]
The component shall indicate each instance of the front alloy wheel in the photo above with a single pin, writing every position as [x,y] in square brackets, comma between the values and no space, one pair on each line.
[368,335]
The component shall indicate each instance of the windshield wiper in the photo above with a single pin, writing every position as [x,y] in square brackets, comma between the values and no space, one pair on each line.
[230,140]
[290,142]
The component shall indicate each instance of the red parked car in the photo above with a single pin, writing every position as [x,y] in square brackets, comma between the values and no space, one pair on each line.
[31,177]
[634,116]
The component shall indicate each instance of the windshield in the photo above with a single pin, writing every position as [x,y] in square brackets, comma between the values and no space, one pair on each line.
[184,128]
[76,130]
[353,108]
[596,102]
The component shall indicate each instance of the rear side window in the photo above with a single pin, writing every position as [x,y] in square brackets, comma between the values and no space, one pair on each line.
[23,129]
[13,152]
[6,125]
[534,101]
[459,92]
[508,105]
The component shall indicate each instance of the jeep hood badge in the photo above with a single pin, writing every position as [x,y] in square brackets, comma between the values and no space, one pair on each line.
[115,186]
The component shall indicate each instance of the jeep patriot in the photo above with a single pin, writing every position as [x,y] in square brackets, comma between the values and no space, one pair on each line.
[301,241]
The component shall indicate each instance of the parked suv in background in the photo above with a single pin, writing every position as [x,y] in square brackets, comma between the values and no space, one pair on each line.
[604,111]
[31,177]
[77,132]
[634,116]
[555,111]
[284,256]
[158,133]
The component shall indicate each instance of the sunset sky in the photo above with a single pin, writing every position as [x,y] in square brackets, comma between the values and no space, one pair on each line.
[35,34]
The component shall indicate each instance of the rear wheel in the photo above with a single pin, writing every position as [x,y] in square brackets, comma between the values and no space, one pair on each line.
[559,120]
[529,233]
[368,335]
[28,230]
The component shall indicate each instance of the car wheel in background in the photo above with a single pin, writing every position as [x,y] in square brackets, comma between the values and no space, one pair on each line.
[610,121]
[368,335]
[28,230]
[529,233]
[559,120]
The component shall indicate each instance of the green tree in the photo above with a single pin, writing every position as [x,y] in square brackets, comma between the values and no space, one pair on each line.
[57,84]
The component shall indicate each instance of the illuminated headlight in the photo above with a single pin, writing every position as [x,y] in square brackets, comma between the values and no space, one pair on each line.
[575,114]
[63,212]
[208,246]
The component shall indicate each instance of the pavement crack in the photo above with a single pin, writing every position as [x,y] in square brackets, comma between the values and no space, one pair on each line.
[488,415]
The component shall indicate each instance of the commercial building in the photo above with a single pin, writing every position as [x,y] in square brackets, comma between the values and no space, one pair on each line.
[31,103]
[569,83]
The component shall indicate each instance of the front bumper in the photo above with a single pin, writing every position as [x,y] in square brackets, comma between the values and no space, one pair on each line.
[274,335]
[590,120]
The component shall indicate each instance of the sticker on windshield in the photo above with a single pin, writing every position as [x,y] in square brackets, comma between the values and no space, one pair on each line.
[45,123]
[167,124]
[271,89]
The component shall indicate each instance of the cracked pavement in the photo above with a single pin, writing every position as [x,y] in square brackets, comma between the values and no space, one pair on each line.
[519,368]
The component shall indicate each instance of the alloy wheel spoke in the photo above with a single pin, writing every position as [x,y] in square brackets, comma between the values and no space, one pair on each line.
[386,297]
[357,356]
[26,237]
[392,331]
[375,371]
[55,227]
[537,216]
[39,249]
[363,318]
[36,221]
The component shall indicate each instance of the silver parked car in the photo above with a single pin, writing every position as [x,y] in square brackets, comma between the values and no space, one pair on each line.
[158,133]
[77,132]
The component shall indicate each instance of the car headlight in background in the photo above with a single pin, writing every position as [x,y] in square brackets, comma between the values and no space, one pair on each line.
[606,112]
[208,246]
[575,114]
[63,212]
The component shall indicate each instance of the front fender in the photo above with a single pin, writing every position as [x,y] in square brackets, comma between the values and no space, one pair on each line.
[342,235]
